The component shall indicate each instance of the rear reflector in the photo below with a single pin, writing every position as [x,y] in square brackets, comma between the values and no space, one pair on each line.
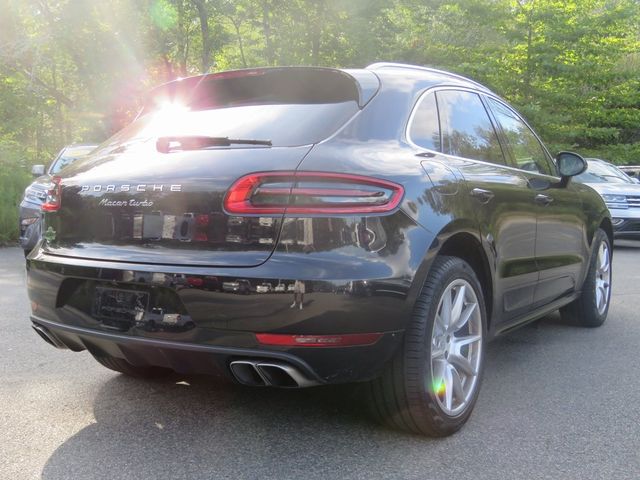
[347,340]
[308,193]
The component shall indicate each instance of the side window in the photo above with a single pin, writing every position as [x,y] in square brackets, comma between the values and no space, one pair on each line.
[425,128]
[527,151]
[466,128]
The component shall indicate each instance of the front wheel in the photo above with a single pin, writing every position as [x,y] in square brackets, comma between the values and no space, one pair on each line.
[590,309]
[433,383]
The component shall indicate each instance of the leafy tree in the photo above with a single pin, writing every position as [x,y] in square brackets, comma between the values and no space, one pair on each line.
[76,70]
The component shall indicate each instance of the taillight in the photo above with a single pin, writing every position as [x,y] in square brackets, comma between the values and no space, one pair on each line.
[54,197]
[274,193]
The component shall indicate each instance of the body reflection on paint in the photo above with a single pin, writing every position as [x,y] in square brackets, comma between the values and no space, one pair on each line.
[298,294]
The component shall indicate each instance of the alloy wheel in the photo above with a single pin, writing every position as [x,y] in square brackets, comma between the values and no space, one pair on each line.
[456,347]
[603,278]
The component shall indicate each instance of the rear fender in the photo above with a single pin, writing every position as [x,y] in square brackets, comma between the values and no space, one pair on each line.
[456,227]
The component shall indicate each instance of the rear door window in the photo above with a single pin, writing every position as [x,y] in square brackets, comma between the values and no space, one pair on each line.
[466,128]
[528,154]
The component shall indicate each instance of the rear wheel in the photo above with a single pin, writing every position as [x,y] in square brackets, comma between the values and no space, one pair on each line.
[592,307]
[122,366]
[433,383]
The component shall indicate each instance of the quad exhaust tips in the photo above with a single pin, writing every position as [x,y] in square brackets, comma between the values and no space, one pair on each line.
[254,373]
[269,374]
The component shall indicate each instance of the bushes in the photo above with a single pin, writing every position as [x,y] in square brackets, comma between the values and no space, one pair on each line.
[14,177]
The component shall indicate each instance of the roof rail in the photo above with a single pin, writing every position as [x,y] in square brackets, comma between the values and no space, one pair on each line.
[380,65]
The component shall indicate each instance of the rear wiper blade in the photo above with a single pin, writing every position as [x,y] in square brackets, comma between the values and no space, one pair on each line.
[196,142]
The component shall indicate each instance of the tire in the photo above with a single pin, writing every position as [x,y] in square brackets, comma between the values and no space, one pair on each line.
[586,311]
[411,394]
[122,366]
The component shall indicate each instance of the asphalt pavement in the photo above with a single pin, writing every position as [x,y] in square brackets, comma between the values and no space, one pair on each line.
[557,402]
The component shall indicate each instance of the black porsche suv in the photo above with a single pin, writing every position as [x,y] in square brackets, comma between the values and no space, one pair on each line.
[404,215]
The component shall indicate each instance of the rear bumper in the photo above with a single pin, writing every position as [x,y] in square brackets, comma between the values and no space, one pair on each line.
[322,365]
[217,327]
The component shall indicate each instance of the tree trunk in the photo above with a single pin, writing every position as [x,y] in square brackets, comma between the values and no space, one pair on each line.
[317,21]
[204,31]
[266,30]
[528,73]
[236,25]
[315,45]
[168,68]
[58,106]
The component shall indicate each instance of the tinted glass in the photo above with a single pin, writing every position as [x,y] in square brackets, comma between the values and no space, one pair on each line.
[525,147]
[289,107]
[68,156]
[598,172]
[425,129]
[285,125]
[466,128]
[257,87]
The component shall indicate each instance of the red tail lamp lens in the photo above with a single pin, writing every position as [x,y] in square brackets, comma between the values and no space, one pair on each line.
[347,340]
[274,193]
[54,197]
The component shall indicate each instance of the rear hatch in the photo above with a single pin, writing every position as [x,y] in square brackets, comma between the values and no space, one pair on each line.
[154,192]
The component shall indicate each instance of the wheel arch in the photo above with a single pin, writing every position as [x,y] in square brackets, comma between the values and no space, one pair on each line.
[606,225]
[467,247]
[463,241]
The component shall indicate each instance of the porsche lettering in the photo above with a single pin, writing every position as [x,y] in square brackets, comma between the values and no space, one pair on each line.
[142,187]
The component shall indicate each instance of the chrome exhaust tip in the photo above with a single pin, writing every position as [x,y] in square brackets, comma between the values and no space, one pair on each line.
[283,375]
[47,337]
[245,372]
[273,374]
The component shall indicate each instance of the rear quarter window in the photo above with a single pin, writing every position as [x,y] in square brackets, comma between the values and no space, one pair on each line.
[424,130]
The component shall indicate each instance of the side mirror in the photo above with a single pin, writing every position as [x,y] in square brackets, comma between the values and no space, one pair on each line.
[569,165]
[37,170]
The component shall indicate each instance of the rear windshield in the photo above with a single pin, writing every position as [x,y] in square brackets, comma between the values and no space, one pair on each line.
[257,87]
[289,107]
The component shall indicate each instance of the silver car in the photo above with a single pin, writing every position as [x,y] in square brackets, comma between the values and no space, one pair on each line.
[632,170]
[620,192]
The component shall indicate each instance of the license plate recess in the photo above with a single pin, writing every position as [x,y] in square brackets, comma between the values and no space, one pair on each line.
[120,304]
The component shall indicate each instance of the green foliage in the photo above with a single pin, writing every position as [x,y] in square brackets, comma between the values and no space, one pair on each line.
[13,180]
[76,70]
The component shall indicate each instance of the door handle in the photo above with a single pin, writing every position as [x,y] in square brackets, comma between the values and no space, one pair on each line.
[543,200]
[482,195]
